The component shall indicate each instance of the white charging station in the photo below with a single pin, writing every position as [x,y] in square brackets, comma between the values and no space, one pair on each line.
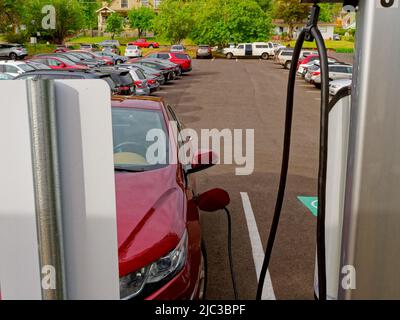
[87,189]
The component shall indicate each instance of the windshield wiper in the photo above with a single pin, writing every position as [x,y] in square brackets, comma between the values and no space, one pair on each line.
[121,169]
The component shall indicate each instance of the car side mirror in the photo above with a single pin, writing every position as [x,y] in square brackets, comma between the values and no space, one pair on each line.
[203,160]
[213,200]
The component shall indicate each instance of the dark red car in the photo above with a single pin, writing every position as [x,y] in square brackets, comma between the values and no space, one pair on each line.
[59,63]
[143,43]
[180,58]
[159,236]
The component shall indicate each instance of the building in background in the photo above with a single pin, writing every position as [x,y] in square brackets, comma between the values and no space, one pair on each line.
[282,29]
[121,7]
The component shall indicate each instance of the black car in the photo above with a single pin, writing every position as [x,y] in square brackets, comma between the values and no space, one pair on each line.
[125,85]
[55,74]
[167,72]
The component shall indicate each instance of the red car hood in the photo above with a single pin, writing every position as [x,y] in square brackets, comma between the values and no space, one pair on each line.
[150,216]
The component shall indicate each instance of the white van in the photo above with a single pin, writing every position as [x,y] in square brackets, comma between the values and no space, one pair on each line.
[264,50]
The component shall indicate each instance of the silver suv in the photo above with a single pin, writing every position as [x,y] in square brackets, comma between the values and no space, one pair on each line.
[107,43]
[13,51]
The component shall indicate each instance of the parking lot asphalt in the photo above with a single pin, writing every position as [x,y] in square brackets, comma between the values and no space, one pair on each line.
[250,94]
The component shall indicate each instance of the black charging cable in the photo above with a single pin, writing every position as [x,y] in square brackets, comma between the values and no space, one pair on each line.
[309,33]
[235,291]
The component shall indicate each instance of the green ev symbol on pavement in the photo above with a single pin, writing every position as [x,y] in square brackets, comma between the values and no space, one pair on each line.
[311,203]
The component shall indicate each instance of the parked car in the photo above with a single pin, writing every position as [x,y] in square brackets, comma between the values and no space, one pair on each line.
[263,50]
[6,76]
[176,68]
[133,51]
[143,43]
[112,49]
[285,58]
[336,37]
[278,51]
[117,59]
[177,48]
[124,82]
[336,85]
[14,68]
[167,72]
[70,74]
[71,57]
[37,65]
[149,72]
[278,46]
[203,51]
[140,80]
[312,57]
[336,71]
[13,51]
[159,234]
[58,63]
[87,59]
[109,43]
[90,55]
[89,47]
[62,48]
[181,59]
[309,61]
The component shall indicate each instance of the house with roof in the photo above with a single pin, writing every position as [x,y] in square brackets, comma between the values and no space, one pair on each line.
[121,7]
[281,27]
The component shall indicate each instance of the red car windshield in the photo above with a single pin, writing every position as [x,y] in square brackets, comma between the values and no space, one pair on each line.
[65,61]
[140,139]
[182,56]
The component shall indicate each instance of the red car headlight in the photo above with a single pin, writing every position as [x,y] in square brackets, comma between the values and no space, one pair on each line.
[163,269]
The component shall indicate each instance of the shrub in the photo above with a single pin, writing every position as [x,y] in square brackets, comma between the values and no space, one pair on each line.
[21,37]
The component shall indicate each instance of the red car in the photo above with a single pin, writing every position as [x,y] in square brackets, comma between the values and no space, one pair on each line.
[159,236]
[312,57]
[180,58]
[61,48]
[59,63]
[143,43]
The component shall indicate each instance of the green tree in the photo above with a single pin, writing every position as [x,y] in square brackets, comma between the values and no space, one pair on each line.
[141,19]
[219,22]
[69,18]
[11,14]
[329,11]
[266,5]
[175,20]
[89,8]
[291,12]
[115,24]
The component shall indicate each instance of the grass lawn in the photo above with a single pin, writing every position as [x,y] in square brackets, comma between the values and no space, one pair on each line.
[341,45]
[40,48]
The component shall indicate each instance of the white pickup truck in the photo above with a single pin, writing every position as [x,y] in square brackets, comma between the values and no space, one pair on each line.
[264,50]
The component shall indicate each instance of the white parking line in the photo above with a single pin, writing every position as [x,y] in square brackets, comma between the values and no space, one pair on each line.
[256,247]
